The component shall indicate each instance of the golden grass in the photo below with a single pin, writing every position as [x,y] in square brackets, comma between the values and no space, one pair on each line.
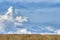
[28,37]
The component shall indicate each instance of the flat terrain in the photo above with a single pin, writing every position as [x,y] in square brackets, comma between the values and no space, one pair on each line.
[28,37]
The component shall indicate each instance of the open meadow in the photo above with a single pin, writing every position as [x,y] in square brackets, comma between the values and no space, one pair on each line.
[29,37]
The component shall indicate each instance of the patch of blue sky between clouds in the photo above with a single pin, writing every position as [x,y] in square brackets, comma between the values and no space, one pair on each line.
[41,15]
[36,1]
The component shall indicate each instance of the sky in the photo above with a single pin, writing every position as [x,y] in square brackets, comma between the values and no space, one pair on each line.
[30,17]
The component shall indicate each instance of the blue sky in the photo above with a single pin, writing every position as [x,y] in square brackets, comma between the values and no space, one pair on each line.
[30,17]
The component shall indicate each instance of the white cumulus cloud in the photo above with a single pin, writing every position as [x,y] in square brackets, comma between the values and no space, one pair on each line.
[49,28]
[21,19]
[20,31]
[8,20]
[57,31]
[23,31]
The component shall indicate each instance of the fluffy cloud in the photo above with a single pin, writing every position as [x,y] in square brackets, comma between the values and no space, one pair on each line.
[1,28]
[23,31]
[48,33]
[49,28]
[57,32]
[8,24]
[8,15]
[20,31]
[8,21]
[21,19]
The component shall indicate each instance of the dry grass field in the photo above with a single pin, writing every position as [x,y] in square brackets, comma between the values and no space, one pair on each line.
[29,37]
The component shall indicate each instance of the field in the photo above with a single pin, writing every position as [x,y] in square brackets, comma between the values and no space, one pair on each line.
[28,37]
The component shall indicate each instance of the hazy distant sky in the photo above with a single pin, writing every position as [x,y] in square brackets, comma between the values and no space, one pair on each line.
[30,16]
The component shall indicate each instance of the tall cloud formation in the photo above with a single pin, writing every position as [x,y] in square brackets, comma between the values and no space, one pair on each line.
[8,23]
